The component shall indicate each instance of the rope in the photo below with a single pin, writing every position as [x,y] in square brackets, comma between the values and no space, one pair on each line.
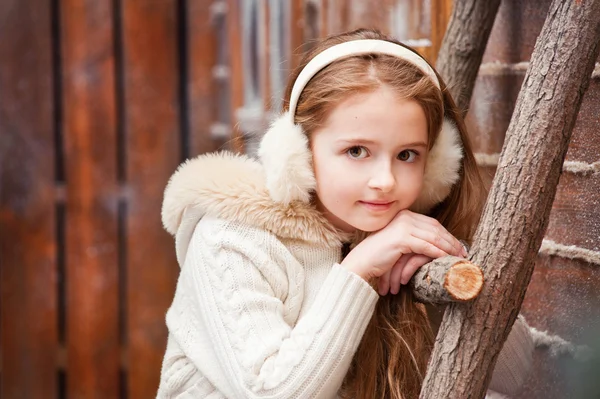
[559,346]
[575,167]
[500,68]
[552,248]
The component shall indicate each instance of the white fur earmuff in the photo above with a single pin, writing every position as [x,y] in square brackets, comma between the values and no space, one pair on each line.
[285,153]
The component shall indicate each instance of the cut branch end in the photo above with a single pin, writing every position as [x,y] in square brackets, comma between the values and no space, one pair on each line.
[464,281]
[447,279]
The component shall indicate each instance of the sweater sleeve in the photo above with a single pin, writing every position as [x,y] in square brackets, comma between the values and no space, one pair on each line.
[233,316]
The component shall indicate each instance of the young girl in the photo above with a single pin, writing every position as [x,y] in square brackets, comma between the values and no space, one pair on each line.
[366,176]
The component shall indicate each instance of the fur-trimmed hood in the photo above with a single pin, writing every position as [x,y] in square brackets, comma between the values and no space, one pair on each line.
[276,193]
[234,187]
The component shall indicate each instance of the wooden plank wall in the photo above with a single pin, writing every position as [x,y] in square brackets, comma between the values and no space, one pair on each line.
[28,226]
[153,148]
[101,100]
[91,241]
[409,20]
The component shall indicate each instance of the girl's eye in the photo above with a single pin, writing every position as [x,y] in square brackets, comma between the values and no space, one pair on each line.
[407,156]
[357,152]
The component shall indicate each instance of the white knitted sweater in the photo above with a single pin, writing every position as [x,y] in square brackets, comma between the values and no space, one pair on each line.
[262,308]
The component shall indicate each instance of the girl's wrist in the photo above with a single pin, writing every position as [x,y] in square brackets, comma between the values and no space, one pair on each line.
[356,268]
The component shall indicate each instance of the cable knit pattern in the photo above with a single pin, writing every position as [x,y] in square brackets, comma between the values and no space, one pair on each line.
[240,317]
[262,308]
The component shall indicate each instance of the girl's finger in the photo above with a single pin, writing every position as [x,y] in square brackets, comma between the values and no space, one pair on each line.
[384,283]
[412,265]
[439,236]
[423,247]
[396,273]
[428,223]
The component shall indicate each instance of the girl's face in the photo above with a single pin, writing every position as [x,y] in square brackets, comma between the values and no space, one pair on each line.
[369,160]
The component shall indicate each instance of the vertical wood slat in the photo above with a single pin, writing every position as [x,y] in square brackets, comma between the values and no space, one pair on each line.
[265,55]
[236,82]
[440,16]
[365,14]
[296,33]
[324,10]
[28,293]
[152,131]
[278,44]
[91,210]
[339,15]
[202,46]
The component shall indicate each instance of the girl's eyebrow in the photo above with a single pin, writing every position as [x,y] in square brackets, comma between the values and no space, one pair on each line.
[416,144]
[371,142]
[356,141]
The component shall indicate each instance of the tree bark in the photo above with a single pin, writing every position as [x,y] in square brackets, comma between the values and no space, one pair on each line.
[516,214]
[463,46]
[447,279]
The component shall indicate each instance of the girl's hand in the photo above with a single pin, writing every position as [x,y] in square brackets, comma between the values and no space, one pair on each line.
[401,273]
[407,233]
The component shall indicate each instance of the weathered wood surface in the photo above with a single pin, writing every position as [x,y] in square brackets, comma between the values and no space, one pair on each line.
[92,274]
[153,148]
[463,46]
[28,249]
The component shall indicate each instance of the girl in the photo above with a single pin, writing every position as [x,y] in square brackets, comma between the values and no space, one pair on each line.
[366,176]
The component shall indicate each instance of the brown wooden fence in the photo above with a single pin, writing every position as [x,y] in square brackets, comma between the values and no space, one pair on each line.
[99,102]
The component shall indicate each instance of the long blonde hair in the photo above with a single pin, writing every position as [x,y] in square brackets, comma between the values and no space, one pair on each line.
[392,357]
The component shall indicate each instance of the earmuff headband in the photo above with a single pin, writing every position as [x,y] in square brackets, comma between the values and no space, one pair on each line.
[351,49]
[286,157]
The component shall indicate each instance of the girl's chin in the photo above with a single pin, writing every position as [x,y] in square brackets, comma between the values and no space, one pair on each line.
[359,222]
[370,226]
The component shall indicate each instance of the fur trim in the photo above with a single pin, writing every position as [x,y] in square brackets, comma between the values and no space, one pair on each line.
[441,170]
[284,152]
[233,187]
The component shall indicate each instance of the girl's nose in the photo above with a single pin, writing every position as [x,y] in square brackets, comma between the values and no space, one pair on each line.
[382,178]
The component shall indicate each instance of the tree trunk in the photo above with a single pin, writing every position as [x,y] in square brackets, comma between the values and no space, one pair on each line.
[516,214]
[463,46]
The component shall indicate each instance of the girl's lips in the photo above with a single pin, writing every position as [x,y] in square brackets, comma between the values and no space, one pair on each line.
[377,206]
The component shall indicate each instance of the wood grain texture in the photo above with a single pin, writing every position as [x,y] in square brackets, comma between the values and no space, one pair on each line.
[152,124]
[28,291]
[463,46]
[441,11]
[516,28]
[265,57]
[236,81]
[296,26]
[202,49]
[585,143]
[91,189]
[575,218]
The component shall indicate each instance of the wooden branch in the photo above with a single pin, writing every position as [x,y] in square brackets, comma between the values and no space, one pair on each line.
[463,46]
[447,279]
[518,208]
